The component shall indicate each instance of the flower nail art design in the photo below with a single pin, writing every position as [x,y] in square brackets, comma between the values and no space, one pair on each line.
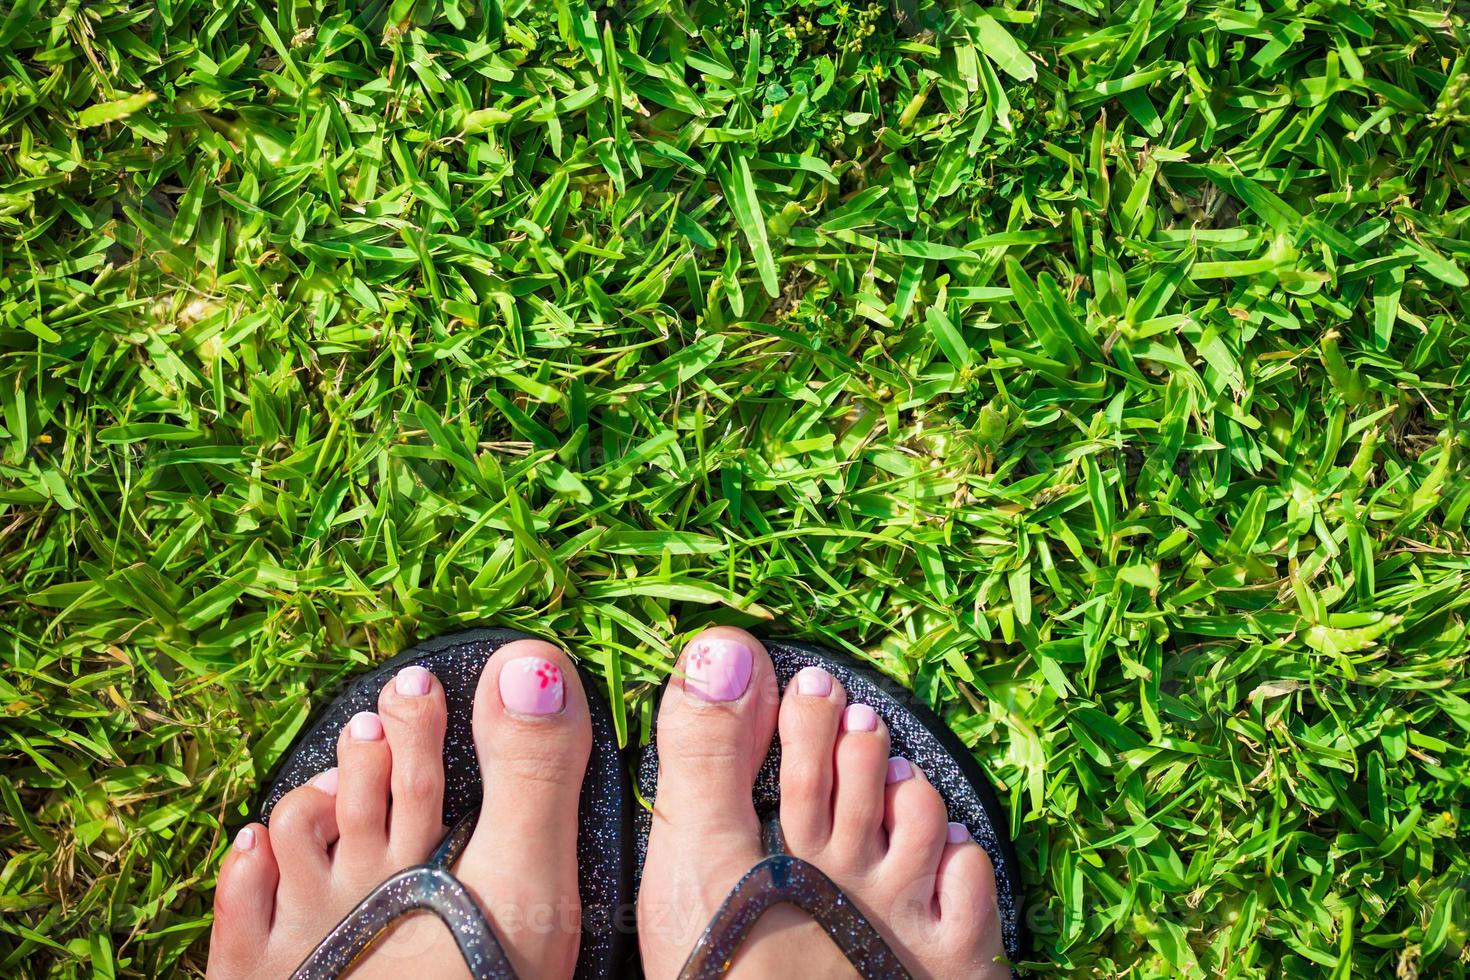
[532,686]
[716,668]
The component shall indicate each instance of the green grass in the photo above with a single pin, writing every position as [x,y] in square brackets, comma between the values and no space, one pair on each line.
[1098,369]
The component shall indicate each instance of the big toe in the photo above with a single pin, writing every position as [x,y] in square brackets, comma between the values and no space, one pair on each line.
[533,733]
[715,724]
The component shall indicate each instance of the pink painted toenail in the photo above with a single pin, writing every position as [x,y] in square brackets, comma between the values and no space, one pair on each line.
[958,833]
[860,718]
[717,669]
[325,781]
[532,686]
[899,770]
[365,727]
[245,839]
[814,682]
[412,681]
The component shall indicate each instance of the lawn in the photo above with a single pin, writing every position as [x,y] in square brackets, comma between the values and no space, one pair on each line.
[1097,369]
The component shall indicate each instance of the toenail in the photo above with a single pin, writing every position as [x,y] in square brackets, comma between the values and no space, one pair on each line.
[814,682]
[365,727]
[899,770]
[326,781]
[532,686]
[717,669]
[958,833]
[245,839]
[860,718]
[412,681]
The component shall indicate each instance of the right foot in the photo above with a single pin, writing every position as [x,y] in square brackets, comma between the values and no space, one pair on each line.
[333,840]
[874,825]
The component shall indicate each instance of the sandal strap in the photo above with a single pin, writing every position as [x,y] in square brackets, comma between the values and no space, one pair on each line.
[430,887]
[454,842]
[783,878]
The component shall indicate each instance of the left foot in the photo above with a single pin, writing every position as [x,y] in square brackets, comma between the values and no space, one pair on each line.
[379,811]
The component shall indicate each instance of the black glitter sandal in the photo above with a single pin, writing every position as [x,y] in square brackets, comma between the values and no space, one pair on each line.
[604,854]
[918,735]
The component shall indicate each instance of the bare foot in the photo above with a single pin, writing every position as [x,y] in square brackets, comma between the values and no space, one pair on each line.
[332,841]
[873,824]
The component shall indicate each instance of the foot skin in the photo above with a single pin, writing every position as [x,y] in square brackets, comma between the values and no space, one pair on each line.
[333,840]
[872,823]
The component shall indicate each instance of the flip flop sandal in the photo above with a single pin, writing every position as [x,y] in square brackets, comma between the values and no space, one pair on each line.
[604,854]
[918,735]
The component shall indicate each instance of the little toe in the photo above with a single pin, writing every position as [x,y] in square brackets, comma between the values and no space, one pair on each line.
[412,710]
[811,715]
[364,763]
[861,775]
[244,904]
[969,919]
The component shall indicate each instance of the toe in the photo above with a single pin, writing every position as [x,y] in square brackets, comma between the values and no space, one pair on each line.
[861,774]
[363,766]
[916,822]
[533,735]
[715,723]
[811,715]
[969,917]
[412,710]
[303,828]
[244,903]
